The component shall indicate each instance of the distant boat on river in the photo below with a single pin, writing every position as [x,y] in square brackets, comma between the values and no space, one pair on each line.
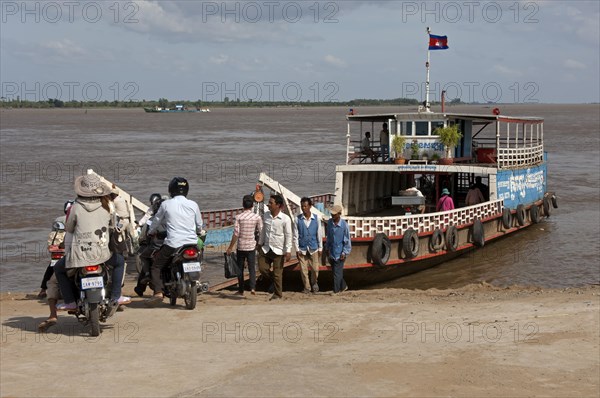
[177,109]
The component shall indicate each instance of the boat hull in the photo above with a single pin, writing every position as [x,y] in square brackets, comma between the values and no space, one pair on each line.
[360,270]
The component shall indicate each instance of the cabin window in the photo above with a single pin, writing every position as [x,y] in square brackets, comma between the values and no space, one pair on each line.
[435,125]
[421,128]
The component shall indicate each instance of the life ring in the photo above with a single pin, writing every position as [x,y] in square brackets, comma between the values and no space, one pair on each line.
[554,201]
[547,206]
[451,238]
[534,214]
[436,242]
[381,249]
[478,233]
[521,215]
[258,194]
[506,218]
[410,243]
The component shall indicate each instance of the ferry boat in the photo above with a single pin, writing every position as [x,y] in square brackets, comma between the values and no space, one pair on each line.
[394,230]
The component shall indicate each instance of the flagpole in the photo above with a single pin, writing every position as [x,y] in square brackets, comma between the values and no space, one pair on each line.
[427,105]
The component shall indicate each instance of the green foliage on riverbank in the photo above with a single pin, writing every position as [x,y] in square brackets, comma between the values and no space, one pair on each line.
[165,103]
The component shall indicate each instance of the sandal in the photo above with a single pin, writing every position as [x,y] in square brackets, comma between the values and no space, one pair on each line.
[42,327]
[154,300]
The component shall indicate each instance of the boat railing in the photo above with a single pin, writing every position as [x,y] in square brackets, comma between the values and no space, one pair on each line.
[517,157]
[225,218]
[367,227]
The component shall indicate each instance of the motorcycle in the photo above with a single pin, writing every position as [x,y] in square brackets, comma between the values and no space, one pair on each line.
[93,306]
[56,253]
[181,278]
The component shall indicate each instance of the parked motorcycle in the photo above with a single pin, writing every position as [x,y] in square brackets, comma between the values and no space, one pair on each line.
[181,278]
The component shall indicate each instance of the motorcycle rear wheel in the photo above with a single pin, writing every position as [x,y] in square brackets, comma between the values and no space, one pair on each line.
[191,295]
[94,319]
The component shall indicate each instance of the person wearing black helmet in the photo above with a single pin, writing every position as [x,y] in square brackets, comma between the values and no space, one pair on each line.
[182,220]
[148,245]
[155,200]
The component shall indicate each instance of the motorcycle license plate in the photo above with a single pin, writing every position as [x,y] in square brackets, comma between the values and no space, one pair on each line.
[91,283]
[192,267]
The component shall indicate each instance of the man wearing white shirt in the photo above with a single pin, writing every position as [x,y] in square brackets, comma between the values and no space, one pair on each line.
[182,220]
[275,244]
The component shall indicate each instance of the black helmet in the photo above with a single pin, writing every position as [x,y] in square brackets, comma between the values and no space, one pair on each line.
[178,186]
[156,205]
[153,198]
[68,205]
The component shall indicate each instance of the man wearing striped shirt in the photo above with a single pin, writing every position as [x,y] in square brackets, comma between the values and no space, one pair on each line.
[248,225]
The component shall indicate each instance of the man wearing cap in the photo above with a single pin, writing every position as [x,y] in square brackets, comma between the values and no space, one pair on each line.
[275,244]
[445,203]
[89,222]
[338,246]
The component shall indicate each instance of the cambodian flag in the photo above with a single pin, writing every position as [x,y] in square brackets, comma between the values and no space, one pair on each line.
[438,42]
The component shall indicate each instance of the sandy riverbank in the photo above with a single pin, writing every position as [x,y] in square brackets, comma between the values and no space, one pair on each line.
[475,341]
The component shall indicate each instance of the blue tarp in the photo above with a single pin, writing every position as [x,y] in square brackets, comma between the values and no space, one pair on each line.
[218,237]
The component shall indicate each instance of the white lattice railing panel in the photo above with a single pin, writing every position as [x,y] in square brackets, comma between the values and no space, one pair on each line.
[515,157]
[367,227]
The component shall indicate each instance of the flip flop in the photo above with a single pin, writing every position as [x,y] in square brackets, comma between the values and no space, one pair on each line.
[42,327]
[154,301]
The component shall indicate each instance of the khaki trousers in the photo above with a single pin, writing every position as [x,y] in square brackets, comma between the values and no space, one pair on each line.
[311,261]
[265,261]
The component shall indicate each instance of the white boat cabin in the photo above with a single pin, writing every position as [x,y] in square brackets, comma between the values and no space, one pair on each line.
[371,184]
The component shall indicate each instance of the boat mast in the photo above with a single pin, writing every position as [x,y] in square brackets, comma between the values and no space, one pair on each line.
[427,105]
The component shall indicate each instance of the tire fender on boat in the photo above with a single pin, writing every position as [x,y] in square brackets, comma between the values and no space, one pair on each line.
[534,213]
[547,205]
[436,242]
[506,218]
[554,201]
[451,238]
[381,249]
[521,215]
[478,233]
[410,243]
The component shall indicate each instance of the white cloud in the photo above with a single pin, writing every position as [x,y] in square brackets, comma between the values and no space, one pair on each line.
[218,59]
[506,71]
[572,64]
[335,61]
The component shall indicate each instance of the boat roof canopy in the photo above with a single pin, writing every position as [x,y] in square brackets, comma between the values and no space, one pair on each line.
[384,117]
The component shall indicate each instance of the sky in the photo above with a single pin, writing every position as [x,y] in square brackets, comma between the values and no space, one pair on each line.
[499,51]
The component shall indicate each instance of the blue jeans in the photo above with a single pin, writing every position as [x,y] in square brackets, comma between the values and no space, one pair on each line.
[67,287]
[249,255]
[337,268]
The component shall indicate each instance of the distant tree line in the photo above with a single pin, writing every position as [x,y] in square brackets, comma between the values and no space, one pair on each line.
[226,103]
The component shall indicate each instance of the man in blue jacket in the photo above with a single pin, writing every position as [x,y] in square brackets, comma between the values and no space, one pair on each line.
[308,239]
[338,247]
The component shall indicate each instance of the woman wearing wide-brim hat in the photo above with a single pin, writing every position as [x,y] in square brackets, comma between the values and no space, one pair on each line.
[89,224]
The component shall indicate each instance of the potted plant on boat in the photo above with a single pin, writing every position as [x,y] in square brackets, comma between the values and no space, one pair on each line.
[414,150]
[449,137]
[398,147]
